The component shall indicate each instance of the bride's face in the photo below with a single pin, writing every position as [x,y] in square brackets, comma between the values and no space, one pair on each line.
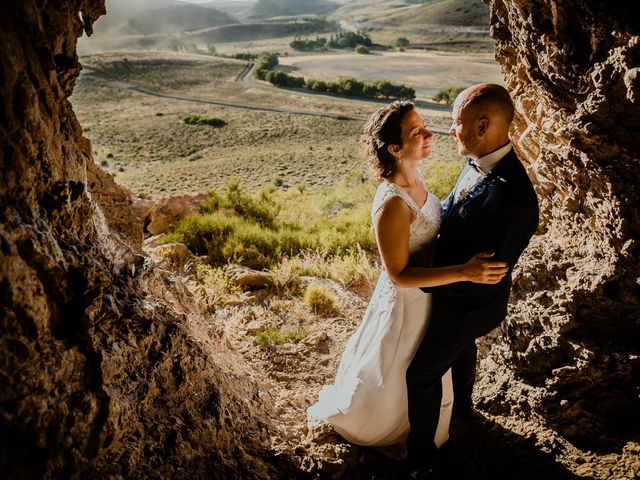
[416,138]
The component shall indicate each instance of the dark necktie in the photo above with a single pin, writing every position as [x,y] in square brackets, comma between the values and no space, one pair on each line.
[475,165]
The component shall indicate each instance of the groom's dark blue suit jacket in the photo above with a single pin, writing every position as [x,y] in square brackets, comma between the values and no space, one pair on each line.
[499,214]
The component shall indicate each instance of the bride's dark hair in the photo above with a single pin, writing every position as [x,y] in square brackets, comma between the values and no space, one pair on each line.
[381,130]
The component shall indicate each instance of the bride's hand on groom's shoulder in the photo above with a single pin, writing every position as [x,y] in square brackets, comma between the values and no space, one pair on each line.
[481,269]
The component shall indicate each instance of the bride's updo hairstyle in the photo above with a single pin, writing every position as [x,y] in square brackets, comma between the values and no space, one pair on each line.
[384,128]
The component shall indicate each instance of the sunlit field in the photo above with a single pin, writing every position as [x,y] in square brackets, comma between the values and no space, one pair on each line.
[143,141]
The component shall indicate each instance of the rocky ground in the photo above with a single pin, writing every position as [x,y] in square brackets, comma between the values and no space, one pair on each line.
[517,444]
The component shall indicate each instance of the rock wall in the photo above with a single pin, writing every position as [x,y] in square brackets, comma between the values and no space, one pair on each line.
[108,366]
[569,349]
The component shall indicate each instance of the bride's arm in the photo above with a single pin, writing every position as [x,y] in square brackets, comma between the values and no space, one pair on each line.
[391,225]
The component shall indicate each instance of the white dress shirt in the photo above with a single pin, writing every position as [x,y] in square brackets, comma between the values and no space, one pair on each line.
[485,165]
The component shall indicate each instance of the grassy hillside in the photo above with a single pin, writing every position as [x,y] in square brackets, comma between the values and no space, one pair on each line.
[176,18]
[232,7]
[285,8]
[441,12]
[254,31]
[202,38]
[149,147]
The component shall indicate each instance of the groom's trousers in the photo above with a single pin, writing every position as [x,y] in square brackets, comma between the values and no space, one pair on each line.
[449,342]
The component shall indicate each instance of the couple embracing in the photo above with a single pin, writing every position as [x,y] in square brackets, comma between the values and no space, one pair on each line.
[445,281]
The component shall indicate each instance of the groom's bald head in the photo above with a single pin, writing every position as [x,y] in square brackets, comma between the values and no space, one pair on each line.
[481,116]
[487,100]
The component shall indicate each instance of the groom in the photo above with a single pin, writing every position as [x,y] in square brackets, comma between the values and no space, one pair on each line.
[493,208]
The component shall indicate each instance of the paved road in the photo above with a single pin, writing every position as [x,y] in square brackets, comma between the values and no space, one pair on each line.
[244,77]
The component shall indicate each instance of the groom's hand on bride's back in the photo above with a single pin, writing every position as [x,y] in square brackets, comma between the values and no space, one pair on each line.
[481,269]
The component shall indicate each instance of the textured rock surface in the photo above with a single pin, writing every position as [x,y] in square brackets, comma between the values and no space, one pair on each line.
[108,366]
[573,335]
[167,212]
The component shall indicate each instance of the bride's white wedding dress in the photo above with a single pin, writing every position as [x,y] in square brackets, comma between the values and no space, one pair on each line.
[367,404]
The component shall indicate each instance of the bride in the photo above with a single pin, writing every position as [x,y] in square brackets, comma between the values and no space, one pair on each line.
[367,404]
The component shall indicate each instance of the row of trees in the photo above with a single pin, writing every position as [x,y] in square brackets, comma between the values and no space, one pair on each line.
[306,45]
[343,40]
[355,88]
[345,86]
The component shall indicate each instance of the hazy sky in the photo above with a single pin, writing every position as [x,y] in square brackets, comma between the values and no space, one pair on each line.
[208,1]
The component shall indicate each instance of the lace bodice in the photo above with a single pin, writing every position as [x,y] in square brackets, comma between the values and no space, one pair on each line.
[425,227]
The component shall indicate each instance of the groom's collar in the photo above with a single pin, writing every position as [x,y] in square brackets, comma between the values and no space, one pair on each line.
[489,161]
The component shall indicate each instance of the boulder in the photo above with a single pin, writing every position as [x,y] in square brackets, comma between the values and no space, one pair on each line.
[249,278]
[166,213]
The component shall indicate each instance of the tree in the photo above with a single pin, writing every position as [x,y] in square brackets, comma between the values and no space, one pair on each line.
[350,86]
[402,42]
[447,95]
[264,63]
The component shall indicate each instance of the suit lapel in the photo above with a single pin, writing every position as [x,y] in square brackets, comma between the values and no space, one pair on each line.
[480,188]
[450,205]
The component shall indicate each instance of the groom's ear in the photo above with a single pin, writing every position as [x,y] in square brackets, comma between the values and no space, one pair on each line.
[483,126]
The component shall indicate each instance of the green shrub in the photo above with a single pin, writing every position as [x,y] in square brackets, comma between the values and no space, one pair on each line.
[212,204]
[362,49]
[320,298]
[261,230]
[104,163]
[282,79]
[264,63]
[402,42]
[350,40]
[316,85]
[447,95]
[277,336]
[263,209]
[204,120]
[204,234]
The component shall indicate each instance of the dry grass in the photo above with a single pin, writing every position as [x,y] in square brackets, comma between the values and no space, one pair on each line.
[427,72]
[278,336]
[320,298]
[143,142]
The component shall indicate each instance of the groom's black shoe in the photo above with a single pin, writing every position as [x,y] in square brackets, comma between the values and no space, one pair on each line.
[422,468]
[421,474]
[463,411]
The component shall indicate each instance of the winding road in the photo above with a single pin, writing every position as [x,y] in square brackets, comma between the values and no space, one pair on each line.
[247,78]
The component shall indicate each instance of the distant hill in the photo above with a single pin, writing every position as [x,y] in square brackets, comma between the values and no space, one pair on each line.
[120,11]
[439,12]
[176,18]
[286,8]
[260,30]
[232,7]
